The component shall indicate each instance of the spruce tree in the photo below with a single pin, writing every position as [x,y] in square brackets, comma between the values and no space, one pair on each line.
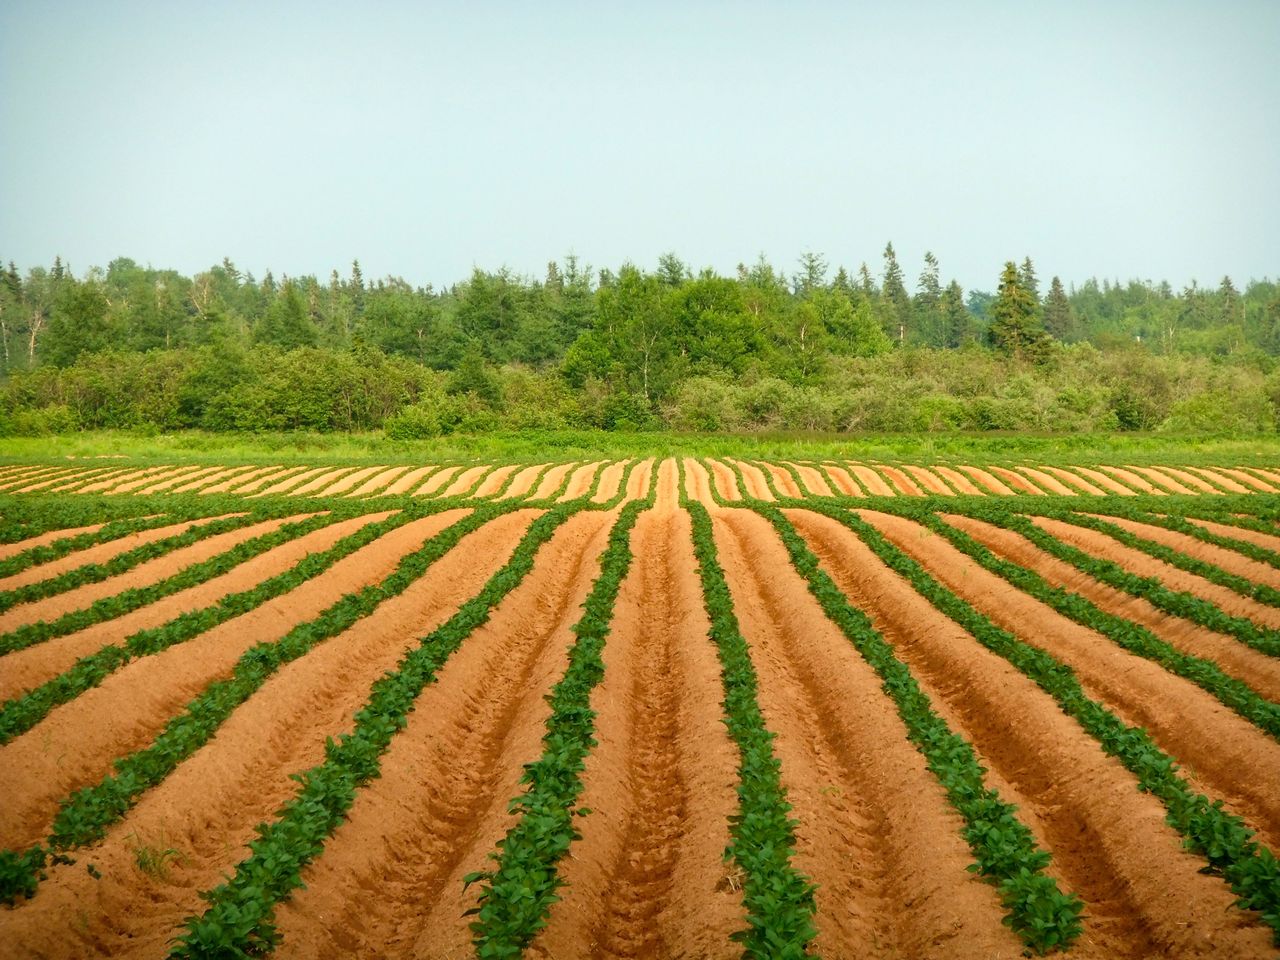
[1059,318]
[895,295]
[1014,327]
[1027,278]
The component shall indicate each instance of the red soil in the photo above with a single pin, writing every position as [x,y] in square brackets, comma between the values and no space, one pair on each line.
[207,809]
[991,482]
[1144,894]
[440,805]
[1212,742]
[875,829]
[872,481]
[1135,561]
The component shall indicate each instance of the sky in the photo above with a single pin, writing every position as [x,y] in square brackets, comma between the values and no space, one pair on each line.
[1121,139]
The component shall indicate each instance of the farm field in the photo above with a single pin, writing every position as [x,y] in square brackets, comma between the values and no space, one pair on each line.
[652,707]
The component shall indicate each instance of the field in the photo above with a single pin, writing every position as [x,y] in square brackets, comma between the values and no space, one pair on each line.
[648,707]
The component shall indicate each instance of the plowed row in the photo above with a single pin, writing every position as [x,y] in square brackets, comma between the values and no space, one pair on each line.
[292,714]
[764,480]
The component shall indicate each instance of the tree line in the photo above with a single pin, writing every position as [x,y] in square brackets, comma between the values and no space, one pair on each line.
[631,348]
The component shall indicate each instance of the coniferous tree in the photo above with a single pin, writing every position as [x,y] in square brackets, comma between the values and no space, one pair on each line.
[1014,327]
[1059,317]
[928,320]
[1027,278]
[957,321]
[894,294]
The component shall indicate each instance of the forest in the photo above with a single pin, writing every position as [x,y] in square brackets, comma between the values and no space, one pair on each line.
[810,349]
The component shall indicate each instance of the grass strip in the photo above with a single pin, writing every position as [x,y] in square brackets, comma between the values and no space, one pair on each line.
[85,816]
[1005,851]
[517,894]
[20,714]
[1222,838]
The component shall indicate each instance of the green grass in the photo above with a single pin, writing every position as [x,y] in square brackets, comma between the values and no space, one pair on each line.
[541,446]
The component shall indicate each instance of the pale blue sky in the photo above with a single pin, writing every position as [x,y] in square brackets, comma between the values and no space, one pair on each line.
[1120,139]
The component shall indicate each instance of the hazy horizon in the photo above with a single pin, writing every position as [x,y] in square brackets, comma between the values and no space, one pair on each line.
[1134,141]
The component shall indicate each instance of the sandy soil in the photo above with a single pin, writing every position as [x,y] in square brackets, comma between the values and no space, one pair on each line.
[207,809]
[1144,894]
[1211,741]
[875,830]
[440,805]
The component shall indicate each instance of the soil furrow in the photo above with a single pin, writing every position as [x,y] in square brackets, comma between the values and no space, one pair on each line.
[959,481]
[782,479]
[1139,483]
[872,481]
[272,477]
[726,484]
[847,485]
[1248,479]
[609,481]
[1144,894]
[929,481]
[1222,557]
[1164,480]
[208,479]
[240,478]
[1016,480]
[1268,541]
[1258,670]
[436,481]
[143,575]
[1145,565]
[1075,481]
[1209,739]
[8,550]
[206,810]
[75,745]
[169,483]
[523,482]
[552,480]
[349,481]
[466,480]
[697,481]
[1185,478]
[67,478]
[1108,484]
[648,878]
[754,479]
[580,482]
[900,481]
[1218,478]
[407,482]
[143,480]
[494,481]
[29,667]
[321,482]
[815,483]
[85,479]
[440,804]
[1049,482]
[288,483]
[988,480]
[377,482]
[875,829]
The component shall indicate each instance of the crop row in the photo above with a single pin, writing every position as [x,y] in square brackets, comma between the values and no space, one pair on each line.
[239,919]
